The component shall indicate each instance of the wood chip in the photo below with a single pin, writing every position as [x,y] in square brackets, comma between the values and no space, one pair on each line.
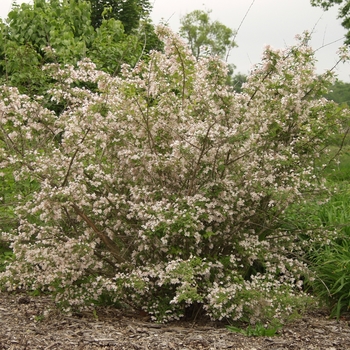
[110,329]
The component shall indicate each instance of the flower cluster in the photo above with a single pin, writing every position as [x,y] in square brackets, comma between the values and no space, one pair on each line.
[164,189]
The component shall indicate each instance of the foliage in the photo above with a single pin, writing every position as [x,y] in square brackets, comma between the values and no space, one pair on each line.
[257,331]
[5,256]
[164,190]
[331,261]
[110,46]
[206,37]
[62,25]
[332,282]
[133,15]
[339,173]
[326,4]
[344,12]
[129,12]
[61,31]
[237,82]
[340,92]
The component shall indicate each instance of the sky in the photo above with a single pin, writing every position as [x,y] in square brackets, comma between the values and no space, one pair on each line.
[259,23]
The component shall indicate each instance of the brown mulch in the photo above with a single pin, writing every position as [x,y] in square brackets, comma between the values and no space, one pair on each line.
[33,323]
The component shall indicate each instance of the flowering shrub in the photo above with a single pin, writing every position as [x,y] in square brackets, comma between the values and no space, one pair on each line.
[165,190]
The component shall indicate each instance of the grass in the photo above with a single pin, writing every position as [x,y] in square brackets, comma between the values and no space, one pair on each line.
[331,262]
[341,172]
[332,267]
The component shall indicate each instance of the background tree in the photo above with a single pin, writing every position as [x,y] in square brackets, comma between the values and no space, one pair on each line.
[62,32]
[340,92]
[344,12]
[206,37]
[237,81]
[129,12]
[133,14]
[44,32]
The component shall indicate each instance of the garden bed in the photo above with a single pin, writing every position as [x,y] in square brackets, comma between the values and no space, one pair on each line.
[34,323]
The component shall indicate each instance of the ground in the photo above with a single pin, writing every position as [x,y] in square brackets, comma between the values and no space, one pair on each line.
[33,323]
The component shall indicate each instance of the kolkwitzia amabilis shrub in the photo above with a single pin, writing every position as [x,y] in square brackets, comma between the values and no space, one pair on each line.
[162,188]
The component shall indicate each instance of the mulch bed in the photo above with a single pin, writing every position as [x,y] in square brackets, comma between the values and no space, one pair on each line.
[34,323]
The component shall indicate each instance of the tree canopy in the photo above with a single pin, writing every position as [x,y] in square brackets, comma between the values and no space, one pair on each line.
[62,31]
[340,92]
[344,12]
[206,37]
[129,12]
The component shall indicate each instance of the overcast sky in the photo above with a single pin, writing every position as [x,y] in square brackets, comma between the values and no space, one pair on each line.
[272,22]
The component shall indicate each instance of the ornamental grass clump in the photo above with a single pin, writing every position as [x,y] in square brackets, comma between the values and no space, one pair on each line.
[163,189]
